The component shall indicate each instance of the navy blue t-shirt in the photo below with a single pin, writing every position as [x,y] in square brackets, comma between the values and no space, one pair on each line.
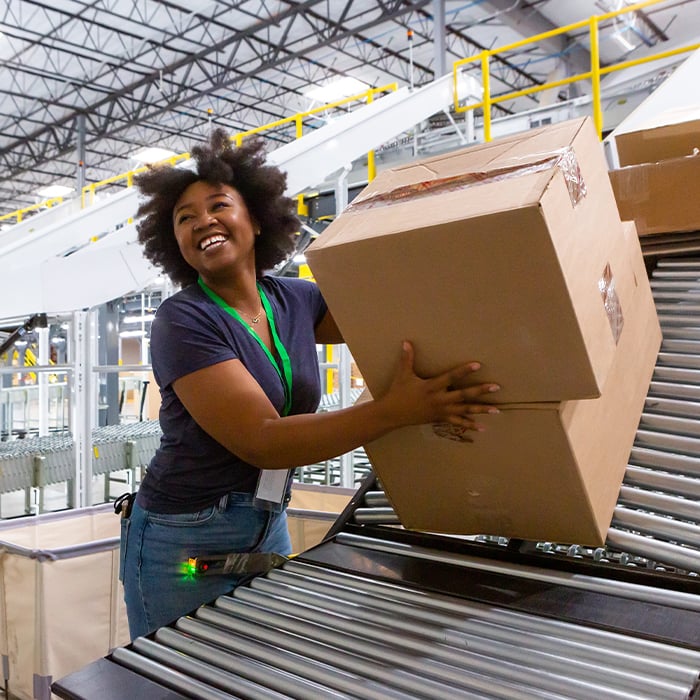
[190,469]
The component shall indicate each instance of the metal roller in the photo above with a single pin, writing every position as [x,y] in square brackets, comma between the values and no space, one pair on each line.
[660,481]
[662,503]
[167,676]
[677,375]
[655,550]
[674,359]
[647,523]
[375,515]
[670,424]
[666,441]
[672,407]
[667,461]
[690,347]
[674,391]
[683,332]
[376,499]
[687,308]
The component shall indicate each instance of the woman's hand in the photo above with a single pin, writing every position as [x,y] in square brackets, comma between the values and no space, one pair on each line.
[411,400]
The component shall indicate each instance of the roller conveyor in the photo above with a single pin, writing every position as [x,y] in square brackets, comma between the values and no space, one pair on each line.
[381,617]
[40,461]
[376,611]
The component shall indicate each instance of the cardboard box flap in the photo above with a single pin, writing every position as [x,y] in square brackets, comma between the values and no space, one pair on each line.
[434,182]
[656,195]
[657,143]
[489,198]
[540,150]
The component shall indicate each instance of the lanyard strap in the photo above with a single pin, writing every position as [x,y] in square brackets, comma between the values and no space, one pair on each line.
[285,372]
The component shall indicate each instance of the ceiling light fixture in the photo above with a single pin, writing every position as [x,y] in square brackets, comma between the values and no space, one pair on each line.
[337,89]
[54,191]
[152,155]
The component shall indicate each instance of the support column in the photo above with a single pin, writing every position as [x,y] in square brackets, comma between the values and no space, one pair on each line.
[42,379]
[83,406]
[80,148]
[108,355]
[439,38]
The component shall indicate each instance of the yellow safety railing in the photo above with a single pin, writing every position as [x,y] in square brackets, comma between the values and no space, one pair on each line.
[18,215]
[298,119]
[594,74]
[87,195]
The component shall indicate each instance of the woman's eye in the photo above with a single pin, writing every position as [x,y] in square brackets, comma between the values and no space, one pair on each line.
[218,205]
[181,219]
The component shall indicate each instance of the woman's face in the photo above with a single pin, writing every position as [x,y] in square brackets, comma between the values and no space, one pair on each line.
[214,230]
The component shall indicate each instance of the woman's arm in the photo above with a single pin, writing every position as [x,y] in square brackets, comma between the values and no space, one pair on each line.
[229,405]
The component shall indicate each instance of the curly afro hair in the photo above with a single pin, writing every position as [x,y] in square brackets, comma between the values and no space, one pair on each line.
[218,163]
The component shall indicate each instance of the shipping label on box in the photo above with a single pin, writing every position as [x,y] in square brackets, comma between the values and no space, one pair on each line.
[494,253]
[543,472]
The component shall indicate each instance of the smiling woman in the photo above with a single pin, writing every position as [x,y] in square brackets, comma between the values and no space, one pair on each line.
[234,355]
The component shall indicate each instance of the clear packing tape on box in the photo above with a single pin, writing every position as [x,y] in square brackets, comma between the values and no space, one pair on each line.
[564,159]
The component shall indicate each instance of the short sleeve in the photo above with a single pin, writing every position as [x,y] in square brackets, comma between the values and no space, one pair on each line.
[187,335]
[308,294]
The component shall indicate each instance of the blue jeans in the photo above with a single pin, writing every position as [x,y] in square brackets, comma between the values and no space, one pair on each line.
[155,547]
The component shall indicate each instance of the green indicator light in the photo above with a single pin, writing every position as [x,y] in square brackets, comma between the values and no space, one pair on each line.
[189,569]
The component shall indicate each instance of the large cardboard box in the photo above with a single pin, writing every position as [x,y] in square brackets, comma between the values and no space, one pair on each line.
[660,197]
[543,472]
[672,134]
[495,253]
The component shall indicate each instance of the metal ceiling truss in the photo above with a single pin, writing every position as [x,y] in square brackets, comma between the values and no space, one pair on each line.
[141,72]
[233,64]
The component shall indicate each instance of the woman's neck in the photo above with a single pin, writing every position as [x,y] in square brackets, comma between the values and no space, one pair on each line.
[240,292]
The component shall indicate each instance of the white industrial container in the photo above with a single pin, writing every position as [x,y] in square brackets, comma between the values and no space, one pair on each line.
[61,602]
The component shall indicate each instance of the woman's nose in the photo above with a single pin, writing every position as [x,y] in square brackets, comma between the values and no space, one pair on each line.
[202,221]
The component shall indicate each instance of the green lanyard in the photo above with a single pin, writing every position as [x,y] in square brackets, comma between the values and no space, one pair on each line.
[285,373]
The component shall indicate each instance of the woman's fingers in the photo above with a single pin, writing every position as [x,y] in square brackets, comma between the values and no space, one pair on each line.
[447,397]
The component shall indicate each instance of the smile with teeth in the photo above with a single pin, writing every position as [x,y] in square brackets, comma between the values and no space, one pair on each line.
[212,240]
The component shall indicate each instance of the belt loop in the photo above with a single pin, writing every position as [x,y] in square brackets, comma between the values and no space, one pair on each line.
[223,503]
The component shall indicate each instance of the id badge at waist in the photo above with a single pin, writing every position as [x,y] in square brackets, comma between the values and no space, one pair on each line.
[271,488]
